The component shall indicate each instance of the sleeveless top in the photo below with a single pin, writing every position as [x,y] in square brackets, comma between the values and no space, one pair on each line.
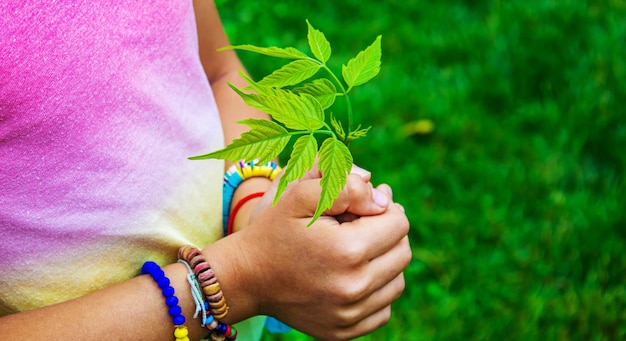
[101,103]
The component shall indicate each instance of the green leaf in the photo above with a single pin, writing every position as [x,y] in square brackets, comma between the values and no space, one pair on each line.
[335,162]
[299,112]
[264,141]
[320,47]
[279,52]
[261,90]
[322,89]
[302,159]
[291,74]
[364,66]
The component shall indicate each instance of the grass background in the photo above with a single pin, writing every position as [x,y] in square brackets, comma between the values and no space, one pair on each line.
[517,196]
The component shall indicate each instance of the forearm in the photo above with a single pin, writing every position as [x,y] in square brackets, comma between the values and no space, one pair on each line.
[134,309]
[222,68]
[232,108]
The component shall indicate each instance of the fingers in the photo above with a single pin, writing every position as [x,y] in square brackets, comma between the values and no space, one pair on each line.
[390,264]
[370,313]
[372,236]
[374,274]
[363,258]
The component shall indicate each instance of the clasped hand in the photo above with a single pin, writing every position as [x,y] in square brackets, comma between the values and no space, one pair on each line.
[337,278]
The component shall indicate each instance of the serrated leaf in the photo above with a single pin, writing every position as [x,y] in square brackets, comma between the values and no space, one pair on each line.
[273,51]
[322,89]
[293,73]
[302,159]
[335,162]
[320,47]
[264,141]
[299,112]
[364,66]
[260,89]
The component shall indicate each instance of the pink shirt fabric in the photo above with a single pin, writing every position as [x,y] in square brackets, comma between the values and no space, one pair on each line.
[101,103]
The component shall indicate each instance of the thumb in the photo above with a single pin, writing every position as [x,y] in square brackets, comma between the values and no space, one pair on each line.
[357,198]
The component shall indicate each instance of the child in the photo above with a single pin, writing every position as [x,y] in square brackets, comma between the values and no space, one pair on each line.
[100,105]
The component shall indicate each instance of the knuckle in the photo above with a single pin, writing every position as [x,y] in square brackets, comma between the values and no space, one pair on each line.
[341,335]
[400,287]
[347,317]
[404,224]
[350,291]
[407,255]
[351,255]
[354,184]
[385,316]
[356,188]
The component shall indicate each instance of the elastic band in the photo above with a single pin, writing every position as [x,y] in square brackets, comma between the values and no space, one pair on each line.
[231,220]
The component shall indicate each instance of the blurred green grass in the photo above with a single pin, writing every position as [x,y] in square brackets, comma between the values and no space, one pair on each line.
[517,197]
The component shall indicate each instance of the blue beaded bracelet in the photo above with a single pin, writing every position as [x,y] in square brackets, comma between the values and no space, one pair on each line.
[174,310]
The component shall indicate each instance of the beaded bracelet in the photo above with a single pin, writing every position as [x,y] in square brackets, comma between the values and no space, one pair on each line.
[213,293]
[176,312]
[236,174]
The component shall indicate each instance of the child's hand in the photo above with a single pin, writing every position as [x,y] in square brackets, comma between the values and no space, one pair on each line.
[332,280]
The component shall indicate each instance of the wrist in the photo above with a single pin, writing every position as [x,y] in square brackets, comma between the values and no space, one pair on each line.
[242,217]
[235,176]
[235,275]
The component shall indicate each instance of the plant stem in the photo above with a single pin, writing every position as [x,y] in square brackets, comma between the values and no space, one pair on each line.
[327,131]
[343,91]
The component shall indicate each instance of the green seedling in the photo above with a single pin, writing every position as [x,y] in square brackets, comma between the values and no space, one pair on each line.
[297,101]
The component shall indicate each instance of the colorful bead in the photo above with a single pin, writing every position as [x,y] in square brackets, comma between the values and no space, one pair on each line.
[222,315]
[213,324]
[179,320]
[232,334]
[201,267]
[175,311]
[171,301]
[181,332]
[205,276]
[217,337]
[219,310]
[163,282]
[215,298]
[211,289]
[167,291]
[221,328]
[193,262]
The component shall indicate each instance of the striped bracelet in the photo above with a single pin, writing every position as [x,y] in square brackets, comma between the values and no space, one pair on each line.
[235,175]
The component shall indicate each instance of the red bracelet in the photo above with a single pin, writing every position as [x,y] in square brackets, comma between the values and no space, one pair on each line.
[240,203]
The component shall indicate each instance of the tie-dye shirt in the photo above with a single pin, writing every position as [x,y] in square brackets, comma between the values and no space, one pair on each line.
[101,103]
